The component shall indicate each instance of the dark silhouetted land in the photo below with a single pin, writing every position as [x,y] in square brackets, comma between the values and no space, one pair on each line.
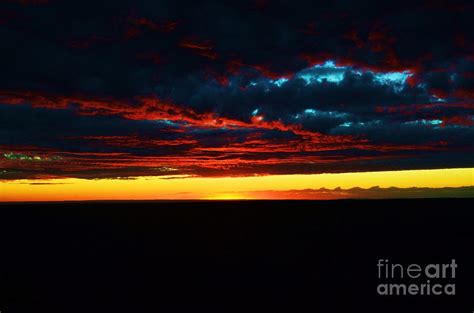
[232,256]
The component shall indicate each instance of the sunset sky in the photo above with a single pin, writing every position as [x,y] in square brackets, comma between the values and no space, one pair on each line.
[427,183]
[248,99]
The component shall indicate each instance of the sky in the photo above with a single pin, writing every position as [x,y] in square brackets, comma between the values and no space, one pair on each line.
[163,97]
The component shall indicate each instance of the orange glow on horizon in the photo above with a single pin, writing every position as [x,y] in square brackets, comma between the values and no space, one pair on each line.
[225,188]
[228,196]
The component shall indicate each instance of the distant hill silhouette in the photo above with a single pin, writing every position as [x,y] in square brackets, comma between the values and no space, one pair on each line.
[375,192]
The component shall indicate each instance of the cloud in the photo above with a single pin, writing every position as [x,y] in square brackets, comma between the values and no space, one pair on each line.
[216,89]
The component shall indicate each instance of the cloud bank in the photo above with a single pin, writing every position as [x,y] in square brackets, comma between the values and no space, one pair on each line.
[149,88]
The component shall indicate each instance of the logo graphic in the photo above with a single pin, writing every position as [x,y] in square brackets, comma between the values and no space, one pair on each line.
[416,279]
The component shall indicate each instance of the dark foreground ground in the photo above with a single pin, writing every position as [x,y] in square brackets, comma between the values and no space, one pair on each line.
[301,256]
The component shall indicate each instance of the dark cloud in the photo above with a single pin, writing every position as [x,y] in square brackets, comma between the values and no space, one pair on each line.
[216,88]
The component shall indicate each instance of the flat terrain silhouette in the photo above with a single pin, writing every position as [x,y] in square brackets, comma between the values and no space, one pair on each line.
[227,256]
